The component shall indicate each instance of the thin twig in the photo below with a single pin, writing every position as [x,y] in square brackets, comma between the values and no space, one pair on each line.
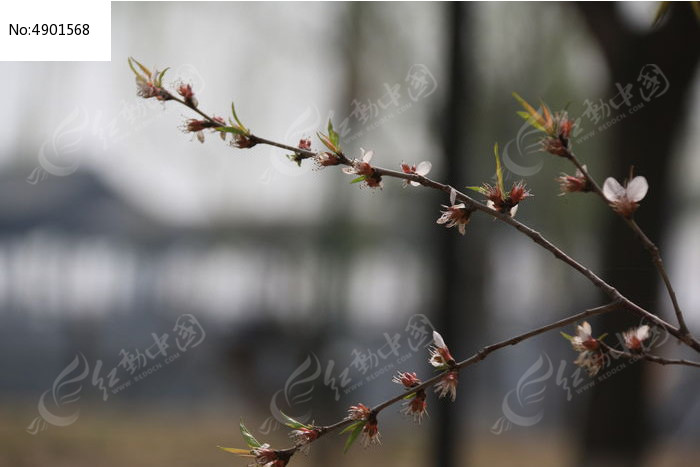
[537,237]
[476,358]
[649,245]
[617,299]
[649,357]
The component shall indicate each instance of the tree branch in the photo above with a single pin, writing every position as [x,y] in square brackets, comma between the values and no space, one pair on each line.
[646,242]
[649,357]
[476,358]
[472,204]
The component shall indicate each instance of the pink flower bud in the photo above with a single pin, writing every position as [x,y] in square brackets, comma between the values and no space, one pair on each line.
[185,90]
[440,356]
[408,380]
[305,143]
[358,412]
[370,432]
[634,338]
[416,407]
[326,159]
[448,385]
[242,141]
[573,183]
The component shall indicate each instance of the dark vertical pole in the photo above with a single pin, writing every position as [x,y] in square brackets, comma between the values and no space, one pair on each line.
[448,435]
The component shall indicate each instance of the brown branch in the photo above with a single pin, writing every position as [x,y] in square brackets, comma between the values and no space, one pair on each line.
[538,238]
[617,299]
[476,358]
[485,351]
[649,357]
[646,242]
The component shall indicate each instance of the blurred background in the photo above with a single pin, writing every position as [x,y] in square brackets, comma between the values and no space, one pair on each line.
[155,290]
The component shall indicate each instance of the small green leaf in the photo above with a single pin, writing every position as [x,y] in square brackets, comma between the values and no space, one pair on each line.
[359,179]
[499,170]
[603,336]
[534,118]
[248,438]
[295,158]
[240,452]
[159,80]
[478,189]
[289,421]
[145,70]
[353,436]
[526,116]
[328,143]
[131,65]
[230,129]
[241,125]
[351,426]
[530,109]
[566,336]
[332,135]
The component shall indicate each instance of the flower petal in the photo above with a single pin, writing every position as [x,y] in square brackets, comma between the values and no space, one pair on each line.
[453,196]
[637,188]
[643,333]
[612,189]
[423,168]
[585,329]
[437,339]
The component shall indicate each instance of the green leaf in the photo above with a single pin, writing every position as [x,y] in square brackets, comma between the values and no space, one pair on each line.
[526,116]
[478,189]
[535,119]
[332,135]
[249,439]
[351,426]
[353,436]
[359,179]
[523,114]
[327,142]
[603,336]
[230,129]
[145,70]
[566,336]
[291,423]
[159,80]
[131,65]
[295,158]
[241,125]
[530,109]
[499,170]
[240,452]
